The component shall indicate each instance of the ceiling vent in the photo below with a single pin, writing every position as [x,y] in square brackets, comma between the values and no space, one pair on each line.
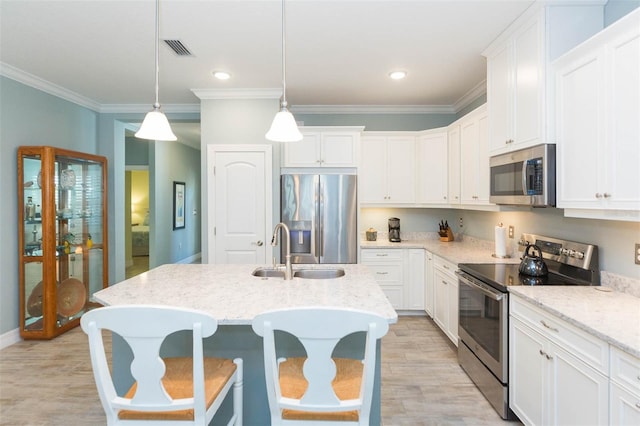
[179,48]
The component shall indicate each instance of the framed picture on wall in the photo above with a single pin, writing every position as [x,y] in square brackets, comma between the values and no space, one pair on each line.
[178,204]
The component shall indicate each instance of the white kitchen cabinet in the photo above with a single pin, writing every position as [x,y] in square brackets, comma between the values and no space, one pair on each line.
[387,266]
[558,374]
[400,274]
[624,389]
[428,283]
[445,287]
[474,158]
[387,168]
[453,151]
[518,81]
[597,87]
[415,279]
[324,147]
[432,167]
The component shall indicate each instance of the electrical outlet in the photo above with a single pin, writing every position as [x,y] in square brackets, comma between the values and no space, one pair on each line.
[460,222]
[637,254]
[510,231]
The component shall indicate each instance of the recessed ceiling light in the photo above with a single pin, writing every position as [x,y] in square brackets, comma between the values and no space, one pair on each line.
[221,75]
[398,75]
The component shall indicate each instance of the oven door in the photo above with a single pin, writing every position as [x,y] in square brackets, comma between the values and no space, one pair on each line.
[483,326]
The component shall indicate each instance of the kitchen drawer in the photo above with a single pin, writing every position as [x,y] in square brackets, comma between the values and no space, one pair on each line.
[446,266]
[588,348]
[387,273]
[377,255]
[625,369]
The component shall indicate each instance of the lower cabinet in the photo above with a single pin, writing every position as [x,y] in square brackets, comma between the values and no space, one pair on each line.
[428,283]
[624,389]
[400,274]
[558,374]
[445,289]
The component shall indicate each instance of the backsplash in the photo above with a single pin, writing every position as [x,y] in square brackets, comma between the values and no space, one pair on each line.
[619,283]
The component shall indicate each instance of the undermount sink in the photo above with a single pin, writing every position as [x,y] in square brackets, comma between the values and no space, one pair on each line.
[268,273]
[319,274]
[313,274]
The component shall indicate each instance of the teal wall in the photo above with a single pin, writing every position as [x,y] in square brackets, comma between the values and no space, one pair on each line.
[374,122]
[136,151]
[616,9]
[30,117]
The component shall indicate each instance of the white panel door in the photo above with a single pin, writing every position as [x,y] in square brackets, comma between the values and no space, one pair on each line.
[241,206]
[339,150]
[373,175]
[432,168]
[401,160]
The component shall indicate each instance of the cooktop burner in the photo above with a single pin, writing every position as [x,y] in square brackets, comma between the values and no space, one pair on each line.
[569,263]
[504,275]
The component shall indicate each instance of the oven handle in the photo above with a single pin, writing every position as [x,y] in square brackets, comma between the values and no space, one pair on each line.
[493,295]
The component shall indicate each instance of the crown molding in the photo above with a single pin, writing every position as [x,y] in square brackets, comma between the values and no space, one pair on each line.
[372,109]
[145,108]
[31,80]
[473,94]
[237,93]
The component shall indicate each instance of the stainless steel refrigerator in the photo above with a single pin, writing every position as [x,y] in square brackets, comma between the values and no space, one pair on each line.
[321,212]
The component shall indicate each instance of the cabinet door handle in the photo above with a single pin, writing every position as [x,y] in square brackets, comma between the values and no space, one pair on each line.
[606,195]
[598,195]
[382,254]
[444,282]
[544,354]
[445,267]
[548,326]
[259,243]
[382,273]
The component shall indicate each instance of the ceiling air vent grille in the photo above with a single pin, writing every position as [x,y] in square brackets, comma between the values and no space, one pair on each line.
[179,48]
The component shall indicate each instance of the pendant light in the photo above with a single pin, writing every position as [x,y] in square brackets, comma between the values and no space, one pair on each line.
[155,125]
[284,127]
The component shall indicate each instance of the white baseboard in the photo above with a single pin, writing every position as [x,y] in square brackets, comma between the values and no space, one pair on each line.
[9,338]
[191,259]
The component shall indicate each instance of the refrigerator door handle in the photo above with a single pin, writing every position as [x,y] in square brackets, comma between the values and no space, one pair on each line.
[320,216]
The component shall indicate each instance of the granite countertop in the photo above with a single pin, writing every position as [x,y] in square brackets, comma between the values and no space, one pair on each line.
[232,295]
[609,315]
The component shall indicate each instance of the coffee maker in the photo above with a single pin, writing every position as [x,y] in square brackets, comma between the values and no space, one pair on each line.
[394,229]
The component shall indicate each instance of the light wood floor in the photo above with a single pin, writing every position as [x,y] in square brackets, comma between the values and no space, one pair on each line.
[51,382]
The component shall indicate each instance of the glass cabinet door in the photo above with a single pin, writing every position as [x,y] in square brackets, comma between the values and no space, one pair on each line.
[63,247]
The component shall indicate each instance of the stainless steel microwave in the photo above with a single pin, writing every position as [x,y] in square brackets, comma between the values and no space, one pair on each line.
[526,177]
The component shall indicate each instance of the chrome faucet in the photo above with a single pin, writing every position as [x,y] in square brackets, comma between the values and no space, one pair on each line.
[288,272]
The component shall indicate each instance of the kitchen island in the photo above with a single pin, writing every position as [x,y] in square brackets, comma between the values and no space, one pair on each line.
[232,295]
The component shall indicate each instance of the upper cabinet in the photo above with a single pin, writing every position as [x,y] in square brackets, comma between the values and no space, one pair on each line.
[469,160]
[474,158]
[324,147]
[598,105]
[432,167]
[387,168]
[518,84]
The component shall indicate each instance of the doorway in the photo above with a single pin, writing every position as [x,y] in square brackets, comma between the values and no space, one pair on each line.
[137,221]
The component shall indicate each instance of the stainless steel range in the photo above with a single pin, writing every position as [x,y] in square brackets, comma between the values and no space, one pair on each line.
[484,308]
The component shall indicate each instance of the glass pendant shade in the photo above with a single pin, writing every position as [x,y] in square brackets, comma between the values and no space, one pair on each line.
[284,128]
[156,127]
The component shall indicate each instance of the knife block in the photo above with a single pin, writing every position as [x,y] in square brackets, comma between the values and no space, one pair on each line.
[448,237]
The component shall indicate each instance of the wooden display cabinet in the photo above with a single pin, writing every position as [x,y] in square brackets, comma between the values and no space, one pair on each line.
[62,237]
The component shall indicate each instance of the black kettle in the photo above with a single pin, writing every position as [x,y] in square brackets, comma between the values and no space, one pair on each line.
[532,264]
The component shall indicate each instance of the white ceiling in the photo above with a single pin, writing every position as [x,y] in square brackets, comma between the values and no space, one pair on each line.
[339,53]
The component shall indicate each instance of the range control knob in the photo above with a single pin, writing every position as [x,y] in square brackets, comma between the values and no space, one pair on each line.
[580,255]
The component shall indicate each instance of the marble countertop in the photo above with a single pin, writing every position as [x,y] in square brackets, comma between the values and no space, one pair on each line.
[609,315]
[468,250]
[232,295]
